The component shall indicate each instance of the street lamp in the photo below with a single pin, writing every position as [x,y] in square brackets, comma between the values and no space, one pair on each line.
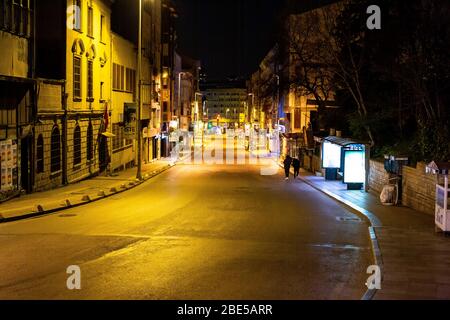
[278,115]
[278,100]
[197,105]
[138,120]
[253,107]
[196,117]
[179,99]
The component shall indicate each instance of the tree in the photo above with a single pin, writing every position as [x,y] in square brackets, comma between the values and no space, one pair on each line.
[322,59]
[423,69]
[307,62]
[396,79]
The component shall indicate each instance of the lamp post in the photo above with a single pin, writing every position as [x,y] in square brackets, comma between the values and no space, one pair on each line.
[277,130]
[196,105]
[179,100]
[196,115]
[249,114]
[278,100]
[138,120]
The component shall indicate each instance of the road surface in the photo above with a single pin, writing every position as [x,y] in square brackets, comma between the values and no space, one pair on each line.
[194,232]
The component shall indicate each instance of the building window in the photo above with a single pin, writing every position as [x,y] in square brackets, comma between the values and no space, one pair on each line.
[55,153]
[76,77]
[131,80]
[101,91]
[118,77]
[90,80]
[77,15]
[115,77]
[40,154]
[17,21]
[15,16]
[90,30]
[120,140]
[90,142]
[122,78]
[298,118]
[77,146]
[117,140]
[5,10]
[102,28]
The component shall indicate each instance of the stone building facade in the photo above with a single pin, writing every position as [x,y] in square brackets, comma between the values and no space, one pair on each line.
[124,27]
[226,105]
[72,125]
[62,117]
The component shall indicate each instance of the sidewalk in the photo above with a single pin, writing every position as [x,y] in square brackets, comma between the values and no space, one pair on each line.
[77,194]
[415,260]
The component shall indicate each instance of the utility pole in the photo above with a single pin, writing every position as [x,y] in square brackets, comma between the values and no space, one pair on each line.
[277,130]
[179,103]
[139,111]
[278,101]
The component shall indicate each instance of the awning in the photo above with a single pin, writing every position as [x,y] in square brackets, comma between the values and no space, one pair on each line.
[344,142]
[295,136]
[108,134]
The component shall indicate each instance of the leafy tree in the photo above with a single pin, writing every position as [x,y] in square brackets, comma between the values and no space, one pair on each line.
[393,83]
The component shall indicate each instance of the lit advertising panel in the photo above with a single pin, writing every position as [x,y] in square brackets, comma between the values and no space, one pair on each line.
[331,155]
[354,168]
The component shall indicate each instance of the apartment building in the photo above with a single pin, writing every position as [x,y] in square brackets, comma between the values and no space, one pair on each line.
[73,64]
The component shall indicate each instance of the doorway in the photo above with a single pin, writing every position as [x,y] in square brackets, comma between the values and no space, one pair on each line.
[103,154]
[155,148]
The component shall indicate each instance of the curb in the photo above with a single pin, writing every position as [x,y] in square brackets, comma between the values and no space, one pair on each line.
[86,199]
[370,217]
[370,293]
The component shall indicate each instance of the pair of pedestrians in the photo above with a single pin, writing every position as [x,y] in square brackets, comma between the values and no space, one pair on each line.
[288,162]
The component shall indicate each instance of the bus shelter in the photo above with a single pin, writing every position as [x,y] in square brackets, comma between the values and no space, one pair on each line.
[348,160]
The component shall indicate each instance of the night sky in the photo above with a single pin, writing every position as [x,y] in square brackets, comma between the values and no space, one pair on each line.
[230,37]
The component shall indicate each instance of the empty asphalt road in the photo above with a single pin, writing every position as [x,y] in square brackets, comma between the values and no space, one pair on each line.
[194,232]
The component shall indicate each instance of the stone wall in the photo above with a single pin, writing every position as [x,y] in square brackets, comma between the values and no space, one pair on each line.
[419,189]
[316,164]
[86,168]
[378,177]
[47,180]
[312,163]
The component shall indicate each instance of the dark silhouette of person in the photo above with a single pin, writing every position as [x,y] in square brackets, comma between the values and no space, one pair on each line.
[287,166]
[296,165]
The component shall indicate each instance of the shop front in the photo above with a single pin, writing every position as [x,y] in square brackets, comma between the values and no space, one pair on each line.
[16,132]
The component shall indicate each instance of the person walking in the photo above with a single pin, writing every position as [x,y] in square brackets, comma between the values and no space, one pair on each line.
[296,165]
[287,166]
